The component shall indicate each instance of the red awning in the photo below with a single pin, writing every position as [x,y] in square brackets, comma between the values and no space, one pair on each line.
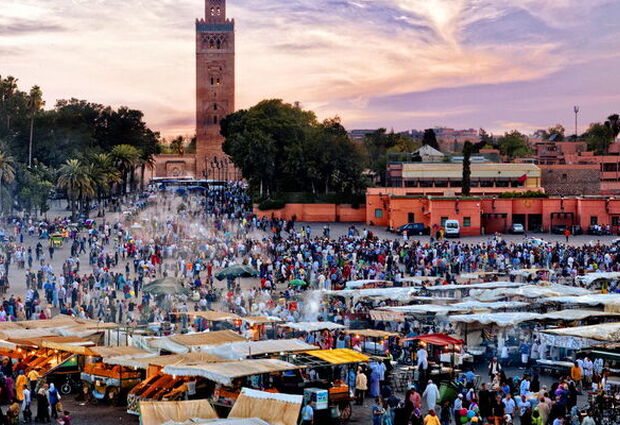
[436,339]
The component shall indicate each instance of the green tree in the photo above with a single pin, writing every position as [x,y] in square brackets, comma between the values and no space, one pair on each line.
[177,145]
[514,144]
[598,138]
[556,132]
[613,128]
[75,180]
[468,149]
[430,138]
[7,176]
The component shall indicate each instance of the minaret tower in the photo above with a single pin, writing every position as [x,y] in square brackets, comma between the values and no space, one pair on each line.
[215,88]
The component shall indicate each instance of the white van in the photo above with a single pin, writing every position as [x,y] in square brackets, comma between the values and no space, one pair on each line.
[453,229]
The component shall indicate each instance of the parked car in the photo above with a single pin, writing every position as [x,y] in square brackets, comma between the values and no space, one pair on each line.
[453,229]
[413,229]
[517,229]
[558,229]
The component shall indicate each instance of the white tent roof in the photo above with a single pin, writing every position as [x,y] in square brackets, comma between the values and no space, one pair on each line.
[577,314]
[501,320]
[591,299]
[376,293]
[589,278]
[225,373]
[355,284]
[528,291]
[427,150]
[602,332]
[312,326]
[239,350]
[485,285]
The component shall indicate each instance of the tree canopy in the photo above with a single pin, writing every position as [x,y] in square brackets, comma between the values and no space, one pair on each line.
[514,144]
[282,148]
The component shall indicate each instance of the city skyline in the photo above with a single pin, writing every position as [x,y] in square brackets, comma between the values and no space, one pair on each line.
[398,64]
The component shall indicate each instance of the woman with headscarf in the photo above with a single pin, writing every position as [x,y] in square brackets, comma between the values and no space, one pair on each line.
[43,414]
[54,398]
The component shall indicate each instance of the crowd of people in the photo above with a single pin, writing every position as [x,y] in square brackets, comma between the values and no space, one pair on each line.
[192,236]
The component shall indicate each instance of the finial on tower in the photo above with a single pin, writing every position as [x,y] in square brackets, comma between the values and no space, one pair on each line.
[215,10]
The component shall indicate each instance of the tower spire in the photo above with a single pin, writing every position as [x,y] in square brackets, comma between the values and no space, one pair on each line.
[215,10]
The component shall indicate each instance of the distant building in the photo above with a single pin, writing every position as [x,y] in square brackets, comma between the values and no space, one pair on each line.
[451,140]
[440,178]
[359,135]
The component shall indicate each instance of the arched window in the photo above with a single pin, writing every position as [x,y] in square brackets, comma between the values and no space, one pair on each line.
[219,11]
[215,119]
[215,106]
[211,44]
[212,81]
[218,82]
[218,44]
[212,11]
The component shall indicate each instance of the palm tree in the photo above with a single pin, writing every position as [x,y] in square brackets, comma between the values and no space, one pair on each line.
[126,158]
[35,103]
[104,174]
[7,174]
[147,160]
[78,184]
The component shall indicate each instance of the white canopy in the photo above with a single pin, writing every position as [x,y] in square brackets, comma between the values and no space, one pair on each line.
[356,284]
[602,332]
[225,373]
[528,291]
[239,350]
[404,294]
[501,320]
[484,285]
[590,278]
[312,326]
[577,314]
[590,299]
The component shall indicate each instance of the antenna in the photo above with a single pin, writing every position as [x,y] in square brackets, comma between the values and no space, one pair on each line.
[576,110]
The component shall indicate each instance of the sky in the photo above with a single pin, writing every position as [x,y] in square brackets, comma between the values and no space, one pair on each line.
[398,64]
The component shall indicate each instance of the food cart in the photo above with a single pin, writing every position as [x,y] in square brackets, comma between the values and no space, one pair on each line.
[57,240]
[226,379]
[159,386]
[329,388]
[374,341]
[103,379]
[54,358]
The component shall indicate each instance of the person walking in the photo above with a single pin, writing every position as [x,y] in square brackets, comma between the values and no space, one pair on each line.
[361,385]
[431,395]
[431,418]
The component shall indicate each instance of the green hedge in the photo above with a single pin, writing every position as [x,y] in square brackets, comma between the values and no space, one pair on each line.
[528,194]
[279,200]
[271,204]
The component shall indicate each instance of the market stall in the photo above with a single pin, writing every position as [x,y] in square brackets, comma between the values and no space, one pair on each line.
[159,386]
[322,377]
[197,342]
[373,341]
[103,379]
[227,379]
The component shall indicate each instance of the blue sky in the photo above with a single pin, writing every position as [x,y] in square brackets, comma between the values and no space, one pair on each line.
[497,64]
